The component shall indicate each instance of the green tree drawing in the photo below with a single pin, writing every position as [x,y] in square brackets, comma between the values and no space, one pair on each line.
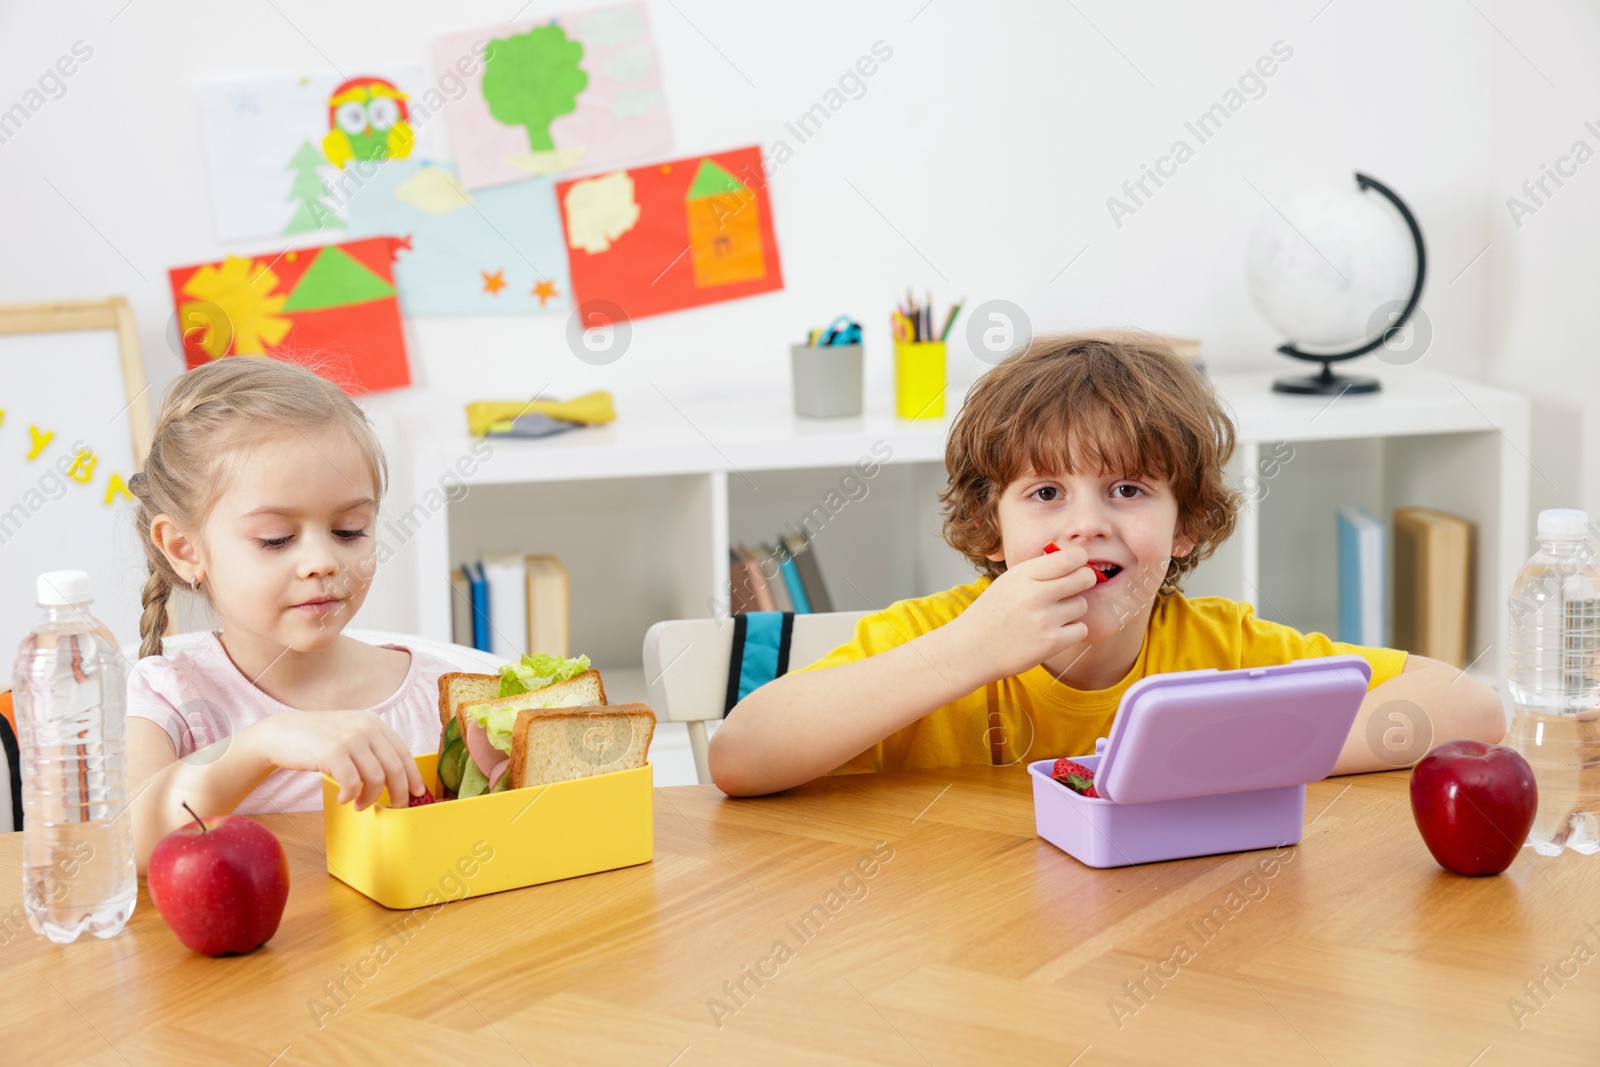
[531,78]
[308,189]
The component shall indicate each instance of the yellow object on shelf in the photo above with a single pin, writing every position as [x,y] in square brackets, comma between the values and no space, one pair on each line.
[454,849]
[919,381]
[592,408]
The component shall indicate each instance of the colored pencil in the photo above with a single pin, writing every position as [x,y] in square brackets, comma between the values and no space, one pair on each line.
[950,320]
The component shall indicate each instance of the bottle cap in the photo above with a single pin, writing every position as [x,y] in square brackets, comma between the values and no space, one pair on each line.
[57,588]
[1563,524]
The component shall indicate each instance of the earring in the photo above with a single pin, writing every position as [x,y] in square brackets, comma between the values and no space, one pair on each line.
[194,585]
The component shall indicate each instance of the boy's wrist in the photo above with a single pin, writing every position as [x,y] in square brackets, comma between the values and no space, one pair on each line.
[957,657]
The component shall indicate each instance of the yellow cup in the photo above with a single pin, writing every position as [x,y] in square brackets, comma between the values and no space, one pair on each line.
[919,381]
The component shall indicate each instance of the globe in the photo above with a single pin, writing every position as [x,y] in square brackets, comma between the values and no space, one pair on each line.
[1322,269]
[1334,270]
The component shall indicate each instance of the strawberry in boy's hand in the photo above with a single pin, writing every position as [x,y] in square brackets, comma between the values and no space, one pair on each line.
[1075,776]
[427,797]
[1099,575]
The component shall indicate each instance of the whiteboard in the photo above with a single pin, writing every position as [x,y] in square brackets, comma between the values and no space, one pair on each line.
[64,392]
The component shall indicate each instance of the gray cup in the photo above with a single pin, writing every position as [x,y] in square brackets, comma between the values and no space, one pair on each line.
[827,380]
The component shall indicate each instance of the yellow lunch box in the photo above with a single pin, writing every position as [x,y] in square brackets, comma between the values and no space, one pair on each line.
[415,857]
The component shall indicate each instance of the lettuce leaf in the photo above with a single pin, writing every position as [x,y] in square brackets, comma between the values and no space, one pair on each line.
[537,671]
[497,721]
[531,673]
[473,782]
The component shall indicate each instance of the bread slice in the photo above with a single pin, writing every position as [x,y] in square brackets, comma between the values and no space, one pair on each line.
[558,744]
[458,688]
[585,688]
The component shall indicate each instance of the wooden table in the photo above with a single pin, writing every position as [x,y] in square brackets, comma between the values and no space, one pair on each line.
[971,941]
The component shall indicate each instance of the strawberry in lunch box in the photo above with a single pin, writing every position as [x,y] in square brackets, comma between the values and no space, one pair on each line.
[1075,776]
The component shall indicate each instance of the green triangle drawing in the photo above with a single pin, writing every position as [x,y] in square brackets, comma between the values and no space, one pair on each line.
[712,180]
[335,279]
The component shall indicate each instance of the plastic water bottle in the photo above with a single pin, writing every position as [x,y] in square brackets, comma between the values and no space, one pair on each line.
[1555,682]
[71,693]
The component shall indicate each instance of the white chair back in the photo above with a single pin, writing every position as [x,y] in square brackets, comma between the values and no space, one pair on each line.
[686,666]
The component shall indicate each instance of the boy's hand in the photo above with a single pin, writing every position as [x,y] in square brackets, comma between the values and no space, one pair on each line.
[355,748]
[1030,613]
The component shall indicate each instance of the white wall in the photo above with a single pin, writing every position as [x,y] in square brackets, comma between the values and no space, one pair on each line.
[1544,276]
[978,161]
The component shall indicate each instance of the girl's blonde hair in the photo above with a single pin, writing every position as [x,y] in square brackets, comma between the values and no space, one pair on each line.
[1122,404]
[208,417]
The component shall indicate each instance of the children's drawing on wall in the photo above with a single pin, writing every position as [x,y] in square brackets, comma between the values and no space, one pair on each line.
[336,303]
[285,153]
[491,251]
[672,235]
[575,92]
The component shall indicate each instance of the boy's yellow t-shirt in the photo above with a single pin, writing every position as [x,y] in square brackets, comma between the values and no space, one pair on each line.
[1041,718]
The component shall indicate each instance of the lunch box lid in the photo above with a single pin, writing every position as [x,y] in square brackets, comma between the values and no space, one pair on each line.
[1197,733]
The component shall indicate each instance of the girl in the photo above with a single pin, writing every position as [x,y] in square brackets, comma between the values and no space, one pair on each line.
[261,494]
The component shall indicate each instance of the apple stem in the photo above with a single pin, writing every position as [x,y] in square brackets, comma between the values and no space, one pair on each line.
[197,818]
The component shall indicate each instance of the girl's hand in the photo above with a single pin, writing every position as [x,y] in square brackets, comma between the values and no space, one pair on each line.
[355,748]
[1029,614]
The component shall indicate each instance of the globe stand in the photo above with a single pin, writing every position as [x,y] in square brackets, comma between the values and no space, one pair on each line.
[1328,383]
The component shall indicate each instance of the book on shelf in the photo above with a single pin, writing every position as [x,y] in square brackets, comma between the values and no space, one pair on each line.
[805,560]
[780,575]
[480,606]
[782,595]
[461,608]
[747,587]
[507,575]
[1432,576]
[526,604]
[1361,566]
[549,598]
[791,579]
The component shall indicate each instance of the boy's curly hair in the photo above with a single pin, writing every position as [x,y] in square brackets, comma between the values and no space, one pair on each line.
[1122,403]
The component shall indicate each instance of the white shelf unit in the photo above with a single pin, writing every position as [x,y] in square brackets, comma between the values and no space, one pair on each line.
[642,511]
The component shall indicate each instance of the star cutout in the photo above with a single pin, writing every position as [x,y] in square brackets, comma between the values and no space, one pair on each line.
[493,283]
[544,291]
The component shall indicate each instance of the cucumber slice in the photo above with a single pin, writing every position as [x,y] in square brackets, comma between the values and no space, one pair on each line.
[452,732]
[451,765]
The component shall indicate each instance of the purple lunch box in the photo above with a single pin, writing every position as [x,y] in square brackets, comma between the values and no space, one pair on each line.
[1203,762]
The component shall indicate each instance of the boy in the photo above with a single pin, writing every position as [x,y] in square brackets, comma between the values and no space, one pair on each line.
[1112,451]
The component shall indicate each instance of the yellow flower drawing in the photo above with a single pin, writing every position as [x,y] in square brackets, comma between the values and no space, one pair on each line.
[235,306]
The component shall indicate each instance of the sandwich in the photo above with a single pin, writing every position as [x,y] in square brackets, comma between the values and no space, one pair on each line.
[543,719]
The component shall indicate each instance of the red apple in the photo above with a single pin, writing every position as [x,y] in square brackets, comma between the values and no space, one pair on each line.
[220,883]
[1474,804]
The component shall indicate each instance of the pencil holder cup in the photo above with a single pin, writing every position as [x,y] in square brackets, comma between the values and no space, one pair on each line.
[919,379]
[827,380]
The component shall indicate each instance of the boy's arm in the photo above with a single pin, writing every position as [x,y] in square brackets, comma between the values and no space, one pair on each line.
[803,725]
[1452,705]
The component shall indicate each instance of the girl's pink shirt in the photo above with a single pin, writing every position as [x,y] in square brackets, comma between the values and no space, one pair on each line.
[198,697]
